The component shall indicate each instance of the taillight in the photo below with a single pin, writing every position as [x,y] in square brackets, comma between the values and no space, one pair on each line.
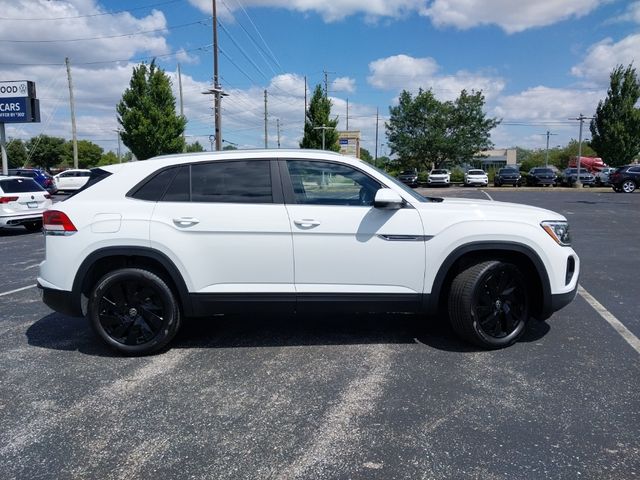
[8,199]
[55,222]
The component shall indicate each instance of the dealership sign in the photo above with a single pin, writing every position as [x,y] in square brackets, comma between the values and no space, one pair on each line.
[18,102]
[21,88]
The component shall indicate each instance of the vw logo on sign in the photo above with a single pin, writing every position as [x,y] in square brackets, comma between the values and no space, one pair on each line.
[23,88]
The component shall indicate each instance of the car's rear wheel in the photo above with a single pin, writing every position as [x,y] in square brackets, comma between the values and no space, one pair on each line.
[489,304]
[33,226]
[628,186]
[134,311]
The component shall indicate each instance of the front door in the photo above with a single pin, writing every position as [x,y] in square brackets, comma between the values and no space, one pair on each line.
[344,247]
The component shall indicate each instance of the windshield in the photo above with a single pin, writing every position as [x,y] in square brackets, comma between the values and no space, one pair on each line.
[542,170]
[476,172]
[438,172]
[408,172]
[508,170]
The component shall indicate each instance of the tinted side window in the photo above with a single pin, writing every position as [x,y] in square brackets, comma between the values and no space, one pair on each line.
[154,188]
[325,183]
[180,187]
[232,182]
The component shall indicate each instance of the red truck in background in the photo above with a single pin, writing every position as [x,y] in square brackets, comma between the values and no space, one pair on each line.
[593,164]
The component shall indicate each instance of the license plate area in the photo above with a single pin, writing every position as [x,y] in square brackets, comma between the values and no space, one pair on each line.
[32,204]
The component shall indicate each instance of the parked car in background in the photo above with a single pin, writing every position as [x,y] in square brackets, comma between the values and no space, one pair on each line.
[602,177]
[476,177]
[439,176]
[625,179]
[541,176]
[409,177]
[41,177]
[71,180]
[570,175]
[22,202]
[507,176]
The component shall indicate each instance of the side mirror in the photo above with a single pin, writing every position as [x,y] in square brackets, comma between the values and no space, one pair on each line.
[387,199]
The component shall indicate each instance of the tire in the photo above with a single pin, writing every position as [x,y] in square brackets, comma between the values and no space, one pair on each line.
[628,186]
[134,311]
[33,226]
[480,309]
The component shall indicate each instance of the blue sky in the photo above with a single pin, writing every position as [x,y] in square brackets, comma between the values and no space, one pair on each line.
[538,63]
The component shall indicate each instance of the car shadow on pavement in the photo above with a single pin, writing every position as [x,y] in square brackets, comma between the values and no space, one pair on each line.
[16,232]
[59,332]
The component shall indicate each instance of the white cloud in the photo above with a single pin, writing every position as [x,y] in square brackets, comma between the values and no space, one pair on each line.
[34,35]
[344,84]
[404,72]
[547,104]
[604,56]
[632,14]
[330,11]
[511,16]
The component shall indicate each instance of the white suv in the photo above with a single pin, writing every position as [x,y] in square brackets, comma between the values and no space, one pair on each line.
[476,177]
[294,230]
[22,201]
[71,180]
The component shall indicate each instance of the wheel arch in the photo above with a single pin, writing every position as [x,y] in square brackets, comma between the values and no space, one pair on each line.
[468,254]
[107,259]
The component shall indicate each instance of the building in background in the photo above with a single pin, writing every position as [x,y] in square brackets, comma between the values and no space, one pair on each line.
[349,141]
[492,159]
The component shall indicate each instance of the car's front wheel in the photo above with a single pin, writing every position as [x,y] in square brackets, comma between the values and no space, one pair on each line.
[134,311]
[489,304]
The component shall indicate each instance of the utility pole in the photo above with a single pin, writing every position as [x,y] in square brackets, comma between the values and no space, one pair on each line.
[375,161]
[118,132]
[184,142]
[73,115]
[3,147]
[326,83]
[278,126]
[266,142]
[581,119]
[217,94]
[305,101]
[347,114]
[324,128]
[546,155]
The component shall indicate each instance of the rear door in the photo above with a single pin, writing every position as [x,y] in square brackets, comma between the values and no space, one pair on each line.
[225,225]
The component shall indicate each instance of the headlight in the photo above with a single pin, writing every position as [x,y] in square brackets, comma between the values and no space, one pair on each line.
[559,231]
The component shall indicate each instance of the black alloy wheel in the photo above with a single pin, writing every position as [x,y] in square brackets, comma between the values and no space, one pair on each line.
[134,311]
[489,304]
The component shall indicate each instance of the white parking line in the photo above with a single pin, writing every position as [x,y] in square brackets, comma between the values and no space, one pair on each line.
[613,321]
[487,195]
[17,290]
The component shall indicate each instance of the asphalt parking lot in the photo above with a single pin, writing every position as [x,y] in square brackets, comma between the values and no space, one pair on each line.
[358,396]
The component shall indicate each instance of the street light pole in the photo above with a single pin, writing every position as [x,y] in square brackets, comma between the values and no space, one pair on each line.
[217,91]
[581,118]
[324,128]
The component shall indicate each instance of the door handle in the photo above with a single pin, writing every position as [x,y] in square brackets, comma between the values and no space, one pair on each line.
[185,221]
[306,223]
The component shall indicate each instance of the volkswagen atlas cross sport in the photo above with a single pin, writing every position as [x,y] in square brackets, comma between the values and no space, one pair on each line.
[148,243]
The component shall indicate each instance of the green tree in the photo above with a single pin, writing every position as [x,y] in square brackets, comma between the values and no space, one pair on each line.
[148,115]
[318,115]
[108,158]
[229,147]
[89,154]
[195,147]
[615,129]
[45,151]
[423,130]
[365,155]
[16,153]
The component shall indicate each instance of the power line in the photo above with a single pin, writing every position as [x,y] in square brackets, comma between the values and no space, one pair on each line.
[138,59]
[93,14]
[250,60]
[132,34]
[260,35]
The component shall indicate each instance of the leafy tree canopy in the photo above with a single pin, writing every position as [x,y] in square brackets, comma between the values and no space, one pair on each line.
[148,116]
[195,147]
[108,158]
[45,151]
[615,129]
[365,155]
[16,153]
[423,130]
[318,115]
[89,154]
